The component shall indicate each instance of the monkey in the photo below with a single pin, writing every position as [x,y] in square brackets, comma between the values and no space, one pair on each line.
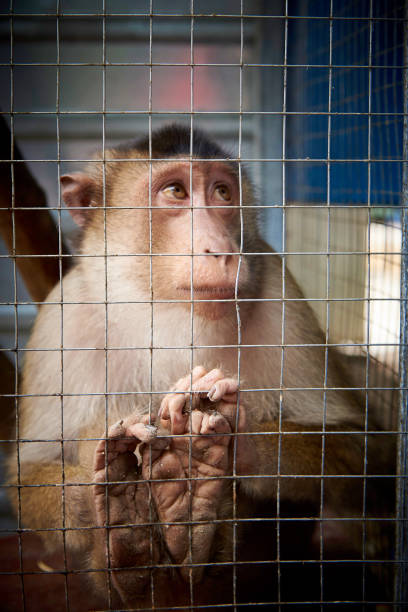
[185,432]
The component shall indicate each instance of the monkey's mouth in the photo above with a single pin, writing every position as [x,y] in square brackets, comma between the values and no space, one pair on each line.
[208,292]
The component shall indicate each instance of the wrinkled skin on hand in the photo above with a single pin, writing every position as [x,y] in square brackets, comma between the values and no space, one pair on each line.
[185,461]
[125,504]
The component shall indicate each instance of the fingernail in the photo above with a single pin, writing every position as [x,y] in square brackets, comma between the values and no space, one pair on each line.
[212,392]
[152,429]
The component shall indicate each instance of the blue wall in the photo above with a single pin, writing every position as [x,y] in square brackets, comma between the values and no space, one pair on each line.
[350,137]
[308,91]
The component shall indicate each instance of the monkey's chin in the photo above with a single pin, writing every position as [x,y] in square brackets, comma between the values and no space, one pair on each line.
[214,310]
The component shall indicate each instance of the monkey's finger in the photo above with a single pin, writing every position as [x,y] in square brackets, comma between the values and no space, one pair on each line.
[133,426]
[221,388]
[230,398]
[206,382]
[202,381]
[148,419]
[184,384]
[229,411]
[214,422]
[178,416]
[165,423]
[210,448]
[189,399]
[164,410]
[208,422]
[122,437]
[218,423]
[196,421]
[144,433]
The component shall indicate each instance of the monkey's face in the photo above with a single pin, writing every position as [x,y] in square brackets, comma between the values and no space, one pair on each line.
[187,216]
[195,220]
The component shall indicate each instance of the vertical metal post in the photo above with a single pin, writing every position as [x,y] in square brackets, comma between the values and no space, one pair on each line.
[401,590]
[271,37]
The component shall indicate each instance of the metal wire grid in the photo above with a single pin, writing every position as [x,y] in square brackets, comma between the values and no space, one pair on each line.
[380,133]
[282,345]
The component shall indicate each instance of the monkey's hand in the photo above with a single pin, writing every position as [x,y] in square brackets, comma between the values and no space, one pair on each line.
[124,502]
[188,485]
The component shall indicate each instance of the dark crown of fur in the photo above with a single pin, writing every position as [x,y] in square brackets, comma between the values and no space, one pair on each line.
[173,140]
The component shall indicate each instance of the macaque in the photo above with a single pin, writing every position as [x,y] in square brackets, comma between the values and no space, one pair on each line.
[205,444]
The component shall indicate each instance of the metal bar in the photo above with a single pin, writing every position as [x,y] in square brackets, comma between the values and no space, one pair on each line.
[328,304]
[108,575]
[401,586]
[368,282]
[283,316]
[190,178]
[239,330]
[16,337]
[210,15]
[61,293]
[229,160]
[150,106]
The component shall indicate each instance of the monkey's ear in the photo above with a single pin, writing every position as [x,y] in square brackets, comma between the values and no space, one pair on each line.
[77,190]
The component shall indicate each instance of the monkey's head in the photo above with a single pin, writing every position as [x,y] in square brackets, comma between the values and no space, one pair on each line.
[179,199]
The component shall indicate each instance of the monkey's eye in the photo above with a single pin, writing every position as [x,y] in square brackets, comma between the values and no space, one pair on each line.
[175,190]
[222,192]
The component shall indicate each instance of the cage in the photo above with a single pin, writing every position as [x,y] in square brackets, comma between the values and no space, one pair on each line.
[309,101]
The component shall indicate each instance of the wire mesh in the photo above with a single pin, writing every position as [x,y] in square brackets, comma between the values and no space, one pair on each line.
[308,99]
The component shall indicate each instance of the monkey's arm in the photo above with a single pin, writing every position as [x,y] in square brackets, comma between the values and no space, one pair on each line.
[124,519]
[49,501]
[76,504]
[152,509]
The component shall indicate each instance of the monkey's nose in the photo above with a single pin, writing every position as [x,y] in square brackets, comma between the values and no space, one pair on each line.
[223,257]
